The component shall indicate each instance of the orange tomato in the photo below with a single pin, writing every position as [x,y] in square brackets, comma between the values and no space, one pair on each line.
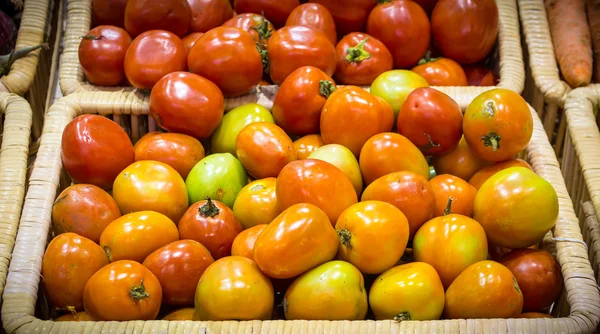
[460,162]
[409,192]
[463,194]
[441,71]
[306,145]
[299,239]
[534,315]
[243,244]
[151,185]
[188,313]
[122,291]
[233,288]
[485,173]
[190,40]
[390,152]
[70,260]
[256,203]
[134,236]
[373,236]
[79,316]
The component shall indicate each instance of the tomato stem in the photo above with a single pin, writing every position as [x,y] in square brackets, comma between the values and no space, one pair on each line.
[402,316]
[108,253]
[93,38]
[326,87]
[264,56]
[7,60]
[427,58]
[138,292]
[357,53]
[447,210]
[383,1]
[262,28]
[209,209]
[345,237]
[492,139]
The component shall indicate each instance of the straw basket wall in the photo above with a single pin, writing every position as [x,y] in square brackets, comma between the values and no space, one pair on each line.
[578,308]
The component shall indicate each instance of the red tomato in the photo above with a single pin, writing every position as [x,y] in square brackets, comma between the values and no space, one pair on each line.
[427,5]
[403,26]
[293,47]
[208,14]
[190,40]
[195,108]
[316,16]
[478,75]
[276,11]
[300,99]
[485,173]
[441,71]
[360,59]
[108,12]
[306,145]
[102,55]
[151,56]
[145,15]
[350,15]
[431,120]
[259,27]
[229,58]
[465,30]
[460,162]
[463,194]
[243,244]
[212,224]
[95,150]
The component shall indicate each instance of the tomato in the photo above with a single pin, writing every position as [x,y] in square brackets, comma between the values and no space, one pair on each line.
[177,150]
[496,296]
[312,181]
[260,28]
[463,194]
[79,316]
[243,244]
[69,261]
[390,152]
[478,75]
[145,15]
[180,259]
[264,149]
[190,40]
[292,47]
[409,192]
[342,158]
[427,5]
[485,173]
[300,98]
[332,291]
[233,288]
[465,30]
[534,315]
[316,16]
[516,207]
[351,116]
[394,86]
[256,203]
[441,71]
[102,55]
[360,59]
[95,150]
[431,120]
[307,144]
[209,14]
[188,313]
[228,57]
[122,291]
[299,239]
[350,15]
[218,176]
[460,162]
[83,209]
[411,291]
[373,236]
[276,11]
[403,26]
[538,275]
[212,224]
[497,124]
[223,139]
[108,12]
[151,185]
[151,56]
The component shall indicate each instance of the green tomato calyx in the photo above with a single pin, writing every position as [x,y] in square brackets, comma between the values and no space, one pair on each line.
[402,316]
[448,208]
[492,139]
[138,292]
[427,59]
[209,209]
[345,237]
[326,87]
[357,53]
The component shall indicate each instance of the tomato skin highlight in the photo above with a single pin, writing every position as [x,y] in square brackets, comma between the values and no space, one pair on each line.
[256,203]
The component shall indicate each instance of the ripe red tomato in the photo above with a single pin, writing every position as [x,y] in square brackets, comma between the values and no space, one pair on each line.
[478,75]
[145,15]
[276,11]
[69,262]
[102,55]
[212,224]
[311,181]
[316,16]
[95,150]
[293,47]
[256,203]
[122,291]
[403,26]
[228,57]
[108,12]
[260,28]
[190,40]
[306,145]
[485,173]
[465,30]
[300,99]
[360,59]
[243,244]
[431,120]
[187,103]
[351,116]
[84,209]
[441,71]
[463,194]
[151,56]
[171,262]
[460,162]
[350,15]
[208,14]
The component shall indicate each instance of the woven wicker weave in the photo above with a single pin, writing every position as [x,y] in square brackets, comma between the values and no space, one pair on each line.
[580,305]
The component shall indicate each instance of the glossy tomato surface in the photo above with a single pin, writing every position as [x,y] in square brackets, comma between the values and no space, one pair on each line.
[208,14]
[478,75]
[463,194]
[170,15]
[190,40]
[188,313]
[485,173]
[360,59]
[243,244]
[316,16]
[306,145]
[441,72]
[349,16]
[260,28]
[102,55]
[460,162]
[395,85]
[256,203]
[108,12]
[78,316]
[342,158]
[276,11]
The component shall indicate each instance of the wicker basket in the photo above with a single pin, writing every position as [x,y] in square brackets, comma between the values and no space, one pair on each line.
[578,308]
[508,54]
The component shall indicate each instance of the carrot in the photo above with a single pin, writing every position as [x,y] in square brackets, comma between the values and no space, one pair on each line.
[572,41]
[593,9]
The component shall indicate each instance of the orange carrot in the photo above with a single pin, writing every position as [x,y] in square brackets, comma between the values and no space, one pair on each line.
[572,41]
[593,9]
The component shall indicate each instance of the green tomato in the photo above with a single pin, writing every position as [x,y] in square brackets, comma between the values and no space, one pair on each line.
[394,86]
[218,176]
[223,139]
[342,158]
